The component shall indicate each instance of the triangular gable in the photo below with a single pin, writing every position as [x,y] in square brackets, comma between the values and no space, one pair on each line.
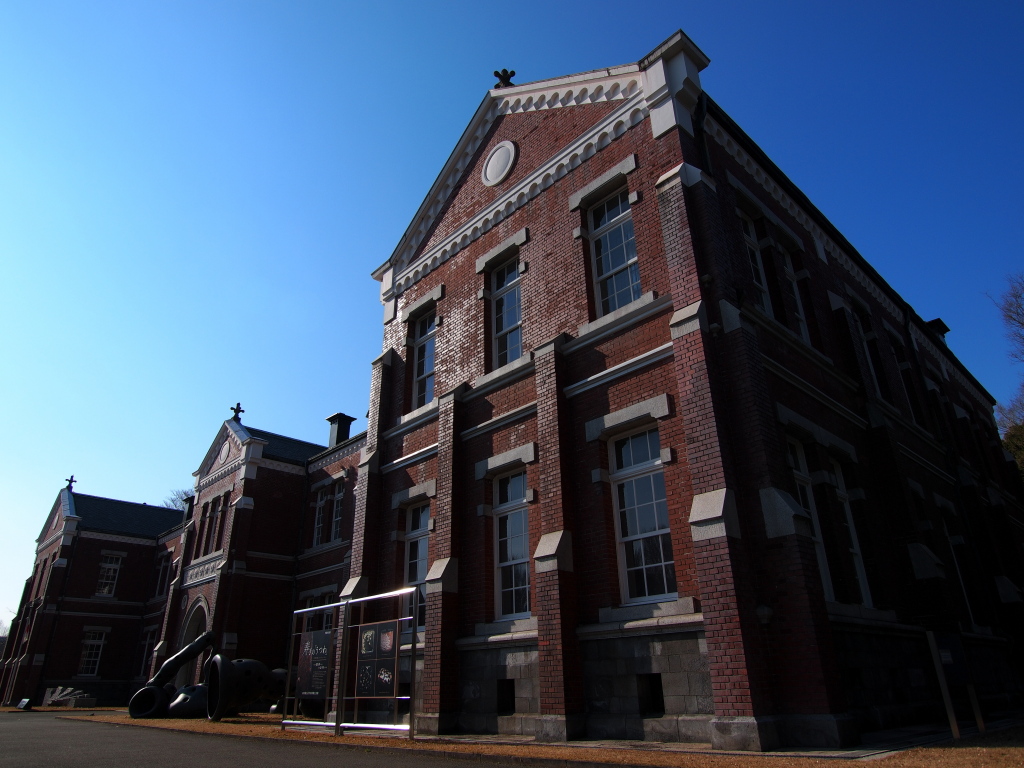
[63,507]
[637,93]
[231,433]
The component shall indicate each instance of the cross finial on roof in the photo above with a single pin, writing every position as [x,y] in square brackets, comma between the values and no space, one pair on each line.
[504,78]
[71,482]
[238,411]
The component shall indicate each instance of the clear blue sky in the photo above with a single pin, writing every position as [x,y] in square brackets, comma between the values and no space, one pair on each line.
[193,194]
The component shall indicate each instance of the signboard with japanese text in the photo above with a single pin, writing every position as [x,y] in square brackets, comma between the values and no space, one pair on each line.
[314,664]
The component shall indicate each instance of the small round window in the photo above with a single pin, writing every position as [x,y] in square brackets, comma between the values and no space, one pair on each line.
[499,163]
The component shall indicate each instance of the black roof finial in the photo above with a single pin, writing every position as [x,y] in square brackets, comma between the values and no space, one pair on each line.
[71,482]
[504,78]
[238,411]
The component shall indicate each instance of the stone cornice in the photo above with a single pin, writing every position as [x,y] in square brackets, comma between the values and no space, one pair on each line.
[940,353]
[588,87]
[338,452]
[115,537]
[410,268]
[220,474]
[775,190]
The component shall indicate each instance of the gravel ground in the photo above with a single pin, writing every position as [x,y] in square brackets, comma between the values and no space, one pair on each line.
[997,750]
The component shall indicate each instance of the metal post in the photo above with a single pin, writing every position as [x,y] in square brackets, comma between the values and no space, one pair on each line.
[288,676]
[943,686]
[340,709]
[412,664]
[330,664]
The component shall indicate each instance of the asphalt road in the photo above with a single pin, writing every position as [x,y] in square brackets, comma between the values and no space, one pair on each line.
[31,739]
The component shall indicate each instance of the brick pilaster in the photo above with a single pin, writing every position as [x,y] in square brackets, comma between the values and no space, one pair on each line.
[367,490]
[440,657]
[561,672]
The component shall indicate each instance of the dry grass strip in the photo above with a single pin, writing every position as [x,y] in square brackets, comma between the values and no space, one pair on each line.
[999,750]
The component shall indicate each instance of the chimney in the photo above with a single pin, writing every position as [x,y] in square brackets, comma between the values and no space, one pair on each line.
[939,328]
[340,425]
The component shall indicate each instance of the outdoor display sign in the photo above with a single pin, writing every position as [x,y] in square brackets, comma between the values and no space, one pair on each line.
[378,649]
[368,669]
[314,664]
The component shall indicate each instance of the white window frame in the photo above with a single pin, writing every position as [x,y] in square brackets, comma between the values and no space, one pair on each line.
[110,569]
[336,510]
[504,295]
[623,221]
[318,518]
[318,620]
[762,300]
[418,536]
[790,274]
[92,652]
[805,498]
[502,513]
[211,526]
[855,551]
[163,573]
[619,477]
[425,338]
[148,643]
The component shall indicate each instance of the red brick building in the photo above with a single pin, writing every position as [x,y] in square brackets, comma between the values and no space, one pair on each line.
[91,611]
[665,457]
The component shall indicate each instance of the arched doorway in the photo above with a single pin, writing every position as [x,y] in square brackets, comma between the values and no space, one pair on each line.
[195,625]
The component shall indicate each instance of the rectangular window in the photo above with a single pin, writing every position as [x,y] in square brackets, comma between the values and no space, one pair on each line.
[211,527]
[110,566]
[761,299]
[513,547]
[614,253]
[850,530]
[805,497]
[339,496]
[506,301]
[423,359]
[163,572]
[641,510]
[417,539]
[318,519]
[146,645]
[92,649]
[799,319]
[318,620]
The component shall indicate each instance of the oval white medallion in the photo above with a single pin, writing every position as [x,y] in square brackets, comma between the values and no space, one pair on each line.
[499,163]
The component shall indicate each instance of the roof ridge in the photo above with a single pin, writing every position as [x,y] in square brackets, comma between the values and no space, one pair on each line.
[123,501]
[283,437]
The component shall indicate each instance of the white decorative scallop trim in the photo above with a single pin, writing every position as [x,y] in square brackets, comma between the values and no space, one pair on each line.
[940,353]
[589,93]
[632,112]
[765,180]
[720,135]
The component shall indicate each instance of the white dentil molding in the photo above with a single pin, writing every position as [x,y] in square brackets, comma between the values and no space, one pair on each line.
[632,112]
[719,134]
[586,88]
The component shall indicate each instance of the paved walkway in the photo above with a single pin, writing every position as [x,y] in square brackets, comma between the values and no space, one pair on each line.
[45,739]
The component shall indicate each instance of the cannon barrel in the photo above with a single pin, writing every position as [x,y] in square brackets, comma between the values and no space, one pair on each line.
[153,700]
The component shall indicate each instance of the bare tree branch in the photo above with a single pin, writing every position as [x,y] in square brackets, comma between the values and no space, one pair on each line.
[178,499]
[1011,305]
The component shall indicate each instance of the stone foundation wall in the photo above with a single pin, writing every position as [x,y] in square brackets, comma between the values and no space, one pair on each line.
[623,675]
[499,690]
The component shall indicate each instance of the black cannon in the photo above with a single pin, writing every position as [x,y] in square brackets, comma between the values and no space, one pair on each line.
[228,686]
[155,699]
